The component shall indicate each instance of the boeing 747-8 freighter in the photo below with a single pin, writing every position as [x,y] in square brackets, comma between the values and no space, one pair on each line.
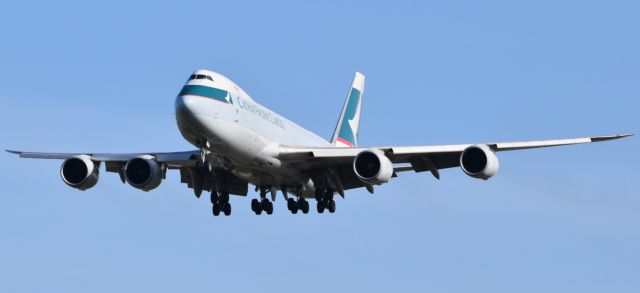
[239,142]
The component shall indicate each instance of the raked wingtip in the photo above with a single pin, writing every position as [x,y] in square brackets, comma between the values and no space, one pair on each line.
[622,135]
[610,137]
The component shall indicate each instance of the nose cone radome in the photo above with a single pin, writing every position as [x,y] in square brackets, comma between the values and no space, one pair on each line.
[187,106]
[189,112]
[190,118]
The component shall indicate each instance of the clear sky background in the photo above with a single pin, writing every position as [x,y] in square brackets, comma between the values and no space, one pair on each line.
[81,77]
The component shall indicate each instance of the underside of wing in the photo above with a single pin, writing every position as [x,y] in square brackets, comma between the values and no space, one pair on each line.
[417,158]
[398,153]
[80,170]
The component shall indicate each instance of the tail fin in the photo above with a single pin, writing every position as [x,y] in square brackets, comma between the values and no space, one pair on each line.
[346,133]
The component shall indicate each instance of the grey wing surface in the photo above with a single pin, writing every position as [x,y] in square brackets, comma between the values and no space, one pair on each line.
[185,161]
[110,157]
[407,158]
[173,160]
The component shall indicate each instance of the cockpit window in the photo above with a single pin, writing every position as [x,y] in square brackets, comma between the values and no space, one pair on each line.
[200,76]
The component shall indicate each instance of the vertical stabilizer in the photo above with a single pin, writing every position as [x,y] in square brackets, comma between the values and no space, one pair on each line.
[346,133]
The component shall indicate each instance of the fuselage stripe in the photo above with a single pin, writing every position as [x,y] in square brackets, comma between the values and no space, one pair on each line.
[206,92]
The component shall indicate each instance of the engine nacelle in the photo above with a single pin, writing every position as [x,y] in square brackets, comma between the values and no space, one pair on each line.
[80,172]
[479,161]
[373,167]
[143,173]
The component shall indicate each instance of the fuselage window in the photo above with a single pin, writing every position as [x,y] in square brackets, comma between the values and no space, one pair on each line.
[200,76]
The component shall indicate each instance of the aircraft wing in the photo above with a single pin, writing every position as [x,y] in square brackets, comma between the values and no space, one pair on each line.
[408,151]
[416,158]
[185,161]
[168,157]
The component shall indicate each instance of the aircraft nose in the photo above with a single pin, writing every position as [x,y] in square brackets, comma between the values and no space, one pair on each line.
[190,115]
[186,105]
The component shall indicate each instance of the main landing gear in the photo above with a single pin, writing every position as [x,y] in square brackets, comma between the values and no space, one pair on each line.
[325,201]
[220,201]
[300,204]
[262,205]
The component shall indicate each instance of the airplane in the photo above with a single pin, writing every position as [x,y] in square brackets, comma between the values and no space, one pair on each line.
[240,143]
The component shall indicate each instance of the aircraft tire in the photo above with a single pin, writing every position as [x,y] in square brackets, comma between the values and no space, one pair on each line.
[226,208]
[291,204]
[331,206]
[255,205]
[269,208]
[216,209]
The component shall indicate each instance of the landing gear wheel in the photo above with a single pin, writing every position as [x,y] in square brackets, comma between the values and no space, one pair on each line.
[269,209]
[255,206]
[226,209]
[304,206]
[331,206]
[216,209]
[292,205]
[320,207]
[266,206]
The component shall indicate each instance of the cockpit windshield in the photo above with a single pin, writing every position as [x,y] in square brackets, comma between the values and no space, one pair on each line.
[200,76]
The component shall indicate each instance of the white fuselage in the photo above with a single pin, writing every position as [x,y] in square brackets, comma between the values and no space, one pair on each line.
[238,132]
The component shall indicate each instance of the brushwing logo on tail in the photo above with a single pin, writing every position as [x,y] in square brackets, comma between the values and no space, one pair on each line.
[346,133]
[349,126]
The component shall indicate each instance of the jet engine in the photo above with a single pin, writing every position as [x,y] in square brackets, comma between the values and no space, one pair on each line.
[479,161]
[80,172]
[143,173]
[373,167]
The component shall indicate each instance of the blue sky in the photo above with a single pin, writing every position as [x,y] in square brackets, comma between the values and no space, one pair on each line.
[79,76]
